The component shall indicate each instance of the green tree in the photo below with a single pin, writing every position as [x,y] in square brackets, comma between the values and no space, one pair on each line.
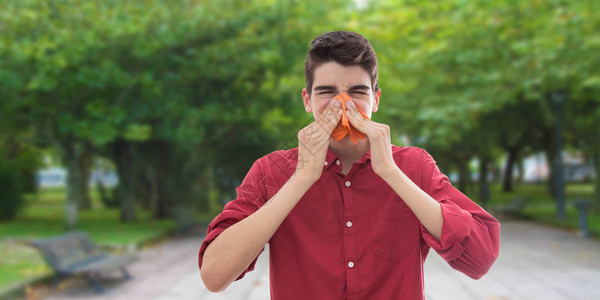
[466,61]
[170,91]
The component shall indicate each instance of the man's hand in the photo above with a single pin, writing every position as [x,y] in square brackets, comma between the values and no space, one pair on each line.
[313,141]
[379,140]
[427,209]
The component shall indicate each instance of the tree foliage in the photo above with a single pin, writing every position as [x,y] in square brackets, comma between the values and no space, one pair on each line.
[183,95]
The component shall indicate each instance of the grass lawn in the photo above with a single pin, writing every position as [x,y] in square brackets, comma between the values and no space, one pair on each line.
[43,217]
[542,207]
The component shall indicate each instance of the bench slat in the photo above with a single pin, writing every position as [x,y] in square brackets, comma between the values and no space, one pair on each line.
[75,253]
[110,263]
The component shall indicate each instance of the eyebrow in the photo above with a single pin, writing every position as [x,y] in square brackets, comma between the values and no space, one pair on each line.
[325,88]
[333,88]
[359,87]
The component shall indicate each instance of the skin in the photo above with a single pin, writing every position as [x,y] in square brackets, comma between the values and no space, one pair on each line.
[331,79]
[236,247]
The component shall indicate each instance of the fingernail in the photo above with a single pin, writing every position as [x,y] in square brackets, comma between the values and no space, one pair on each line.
[336,103]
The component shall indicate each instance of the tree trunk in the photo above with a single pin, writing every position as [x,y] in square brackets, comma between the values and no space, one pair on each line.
[109,201]
[143,185]
[150,177]
[86,166]
[210,202]
[463,174]
[154,196]
[520,172]
[507,182]
[74,156]
[161,163]
[125,169]
[484,188]
[596,162]
[156,158]
[550,160]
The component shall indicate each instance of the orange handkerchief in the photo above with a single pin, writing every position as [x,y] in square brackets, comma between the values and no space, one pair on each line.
[344,127]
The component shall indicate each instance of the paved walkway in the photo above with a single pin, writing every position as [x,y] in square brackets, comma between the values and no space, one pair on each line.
[535,262]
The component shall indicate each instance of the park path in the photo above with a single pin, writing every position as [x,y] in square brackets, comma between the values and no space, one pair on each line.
[535,262]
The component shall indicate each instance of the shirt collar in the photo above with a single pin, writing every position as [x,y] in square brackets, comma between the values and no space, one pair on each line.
[366,157]
[330,158]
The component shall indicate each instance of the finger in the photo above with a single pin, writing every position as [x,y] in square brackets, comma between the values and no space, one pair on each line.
[333,119]
[332,109]
[334,104]
[355,117]
[330,116]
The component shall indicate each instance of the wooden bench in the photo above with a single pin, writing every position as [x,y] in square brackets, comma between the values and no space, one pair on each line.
[515,207]
[76,254]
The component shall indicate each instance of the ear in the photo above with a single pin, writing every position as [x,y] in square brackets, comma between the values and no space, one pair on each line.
[306,100]
[376,98]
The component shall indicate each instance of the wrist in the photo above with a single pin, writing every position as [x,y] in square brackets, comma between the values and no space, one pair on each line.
[389,173]
[305,177]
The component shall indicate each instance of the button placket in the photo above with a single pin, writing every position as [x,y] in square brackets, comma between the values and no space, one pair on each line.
[350,240]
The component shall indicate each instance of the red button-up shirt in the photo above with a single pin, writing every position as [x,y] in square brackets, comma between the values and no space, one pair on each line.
[352,237]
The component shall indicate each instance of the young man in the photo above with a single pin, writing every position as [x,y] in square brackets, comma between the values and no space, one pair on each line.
[346,220]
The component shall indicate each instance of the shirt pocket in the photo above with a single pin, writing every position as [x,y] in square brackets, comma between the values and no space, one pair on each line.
[394,230]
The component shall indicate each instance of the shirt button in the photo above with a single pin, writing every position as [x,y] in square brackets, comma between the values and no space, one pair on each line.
[349,224]
[325,162]
[337,162]
[347,183]
[350,264]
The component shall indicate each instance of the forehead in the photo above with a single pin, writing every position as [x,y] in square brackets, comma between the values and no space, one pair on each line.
[332,73]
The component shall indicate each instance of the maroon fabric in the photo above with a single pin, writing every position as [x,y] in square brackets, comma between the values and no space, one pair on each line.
[310,252]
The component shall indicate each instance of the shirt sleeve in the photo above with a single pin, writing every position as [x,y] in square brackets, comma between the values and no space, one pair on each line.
[251,195]
[470,239]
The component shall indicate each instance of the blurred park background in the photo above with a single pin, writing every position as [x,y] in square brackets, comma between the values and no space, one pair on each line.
[113,113]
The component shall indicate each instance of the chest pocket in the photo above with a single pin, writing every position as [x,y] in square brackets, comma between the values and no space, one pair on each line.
[395,230]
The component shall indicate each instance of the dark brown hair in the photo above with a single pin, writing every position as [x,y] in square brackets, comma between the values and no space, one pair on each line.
[345,48]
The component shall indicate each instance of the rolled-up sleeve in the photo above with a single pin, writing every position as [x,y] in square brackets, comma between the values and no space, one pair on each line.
[251,195]
[470,239]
